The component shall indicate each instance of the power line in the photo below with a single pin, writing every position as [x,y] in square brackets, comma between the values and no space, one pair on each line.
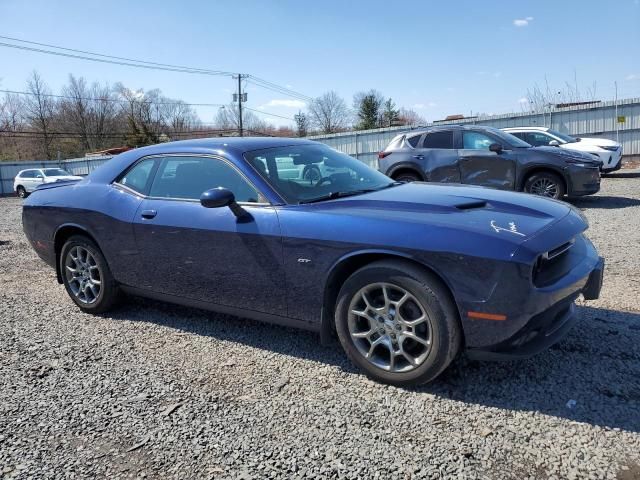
[131,62]
[268,113]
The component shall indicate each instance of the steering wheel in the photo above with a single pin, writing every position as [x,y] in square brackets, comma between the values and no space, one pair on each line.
[322,181]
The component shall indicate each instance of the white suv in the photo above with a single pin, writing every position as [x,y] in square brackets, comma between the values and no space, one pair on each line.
[28,180]
[609,152]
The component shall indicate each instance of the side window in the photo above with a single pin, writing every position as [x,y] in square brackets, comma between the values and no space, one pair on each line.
[520,135]
[27,174]
[188,177]
[37,174]
[413,141]
[476,141]
[139,176]
[538,139]
[438,140]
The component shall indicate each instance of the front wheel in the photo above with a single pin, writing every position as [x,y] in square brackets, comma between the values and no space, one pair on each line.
[21,192]
[86,275]
[545,184]
[407,177]
[397,323]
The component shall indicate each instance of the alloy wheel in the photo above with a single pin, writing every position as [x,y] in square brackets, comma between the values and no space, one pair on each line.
[389,327]
[544,187]
[83,274]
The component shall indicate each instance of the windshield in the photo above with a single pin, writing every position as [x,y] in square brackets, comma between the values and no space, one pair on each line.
[565,138]
[55,172]
[305,173]
[509,139]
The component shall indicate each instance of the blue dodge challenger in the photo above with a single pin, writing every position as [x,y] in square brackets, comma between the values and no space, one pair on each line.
[293,232]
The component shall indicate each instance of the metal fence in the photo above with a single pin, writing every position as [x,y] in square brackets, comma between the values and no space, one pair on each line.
[75,166]
[618,121]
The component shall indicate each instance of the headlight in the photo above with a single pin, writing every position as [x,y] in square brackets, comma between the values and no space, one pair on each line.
[611,149]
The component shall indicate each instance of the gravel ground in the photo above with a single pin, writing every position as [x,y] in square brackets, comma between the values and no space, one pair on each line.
[158,391]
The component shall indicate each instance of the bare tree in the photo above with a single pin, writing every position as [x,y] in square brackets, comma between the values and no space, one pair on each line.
[39,109]
[329,113]
[228,119]
[406,116]
[302,124]
[12,123]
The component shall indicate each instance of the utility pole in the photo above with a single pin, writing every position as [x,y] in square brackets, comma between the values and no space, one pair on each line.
[616,114]
[240,97]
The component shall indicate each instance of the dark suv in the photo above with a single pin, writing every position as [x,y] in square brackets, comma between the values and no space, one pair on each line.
[489,157]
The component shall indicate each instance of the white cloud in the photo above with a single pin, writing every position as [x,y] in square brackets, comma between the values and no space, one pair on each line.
[523,100]
[633,76]
[285,103]
[522,22]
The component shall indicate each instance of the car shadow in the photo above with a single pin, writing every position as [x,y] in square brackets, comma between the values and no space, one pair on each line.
[597,365]
[604,202]
[622,174]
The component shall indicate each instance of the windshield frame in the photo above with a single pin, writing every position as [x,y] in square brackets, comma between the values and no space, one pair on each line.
[562,137]
[290,199]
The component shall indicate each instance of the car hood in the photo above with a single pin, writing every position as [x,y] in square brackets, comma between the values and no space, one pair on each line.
[566,153]
[598,142]
[508,216]
[62,178]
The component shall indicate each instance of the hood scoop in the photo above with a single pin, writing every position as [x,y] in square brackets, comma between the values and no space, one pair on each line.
[472,205]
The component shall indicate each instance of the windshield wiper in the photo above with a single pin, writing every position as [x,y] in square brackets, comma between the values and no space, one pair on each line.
[334,195]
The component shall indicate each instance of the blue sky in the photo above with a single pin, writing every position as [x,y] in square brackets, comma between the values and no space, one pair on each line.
[438,58]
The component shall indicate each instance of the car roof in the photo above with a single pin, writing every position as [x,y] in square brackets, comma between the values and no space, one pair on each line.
[237,144]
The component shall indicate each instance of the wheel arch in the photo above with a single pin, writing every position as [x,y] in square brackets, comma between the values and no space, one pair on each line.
[543,169]
[62,234]
[344,267]
[406,167]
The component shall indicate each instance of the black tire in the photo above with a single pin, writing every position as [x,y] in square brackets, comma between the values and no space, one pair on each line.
[407,177]
[546,184]
[108,291]
[434,299]
[21,192]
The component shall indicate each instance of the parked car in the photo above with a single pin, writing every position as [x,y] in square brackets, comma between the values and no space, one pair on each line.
[485,156]
[608,151]
[28,180]
[407,275]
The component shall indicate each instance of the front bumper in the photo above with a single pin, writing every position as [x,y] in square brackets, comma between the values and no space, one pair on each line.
[582,180]
[545,328]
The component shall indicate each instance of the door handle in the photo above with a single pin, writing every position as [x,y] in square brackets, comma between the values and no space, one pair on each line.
[419,157]
[149,214]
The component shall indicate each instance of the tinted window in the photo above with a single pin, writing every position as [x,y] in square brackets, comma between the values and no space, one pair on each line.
[28,174]
[438,140]
[476,141]
[188,177]
[520,135]
[55,172]
[413,141]
[138,177]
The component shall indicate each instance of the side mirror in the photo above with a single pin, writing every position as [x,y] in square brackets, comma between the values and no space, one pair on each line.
[496,147]
[554,143]
[217,197]
[222,197]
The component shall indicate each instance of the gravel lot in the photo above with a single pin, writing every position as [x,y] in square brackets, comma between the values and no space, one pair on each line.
[159,391]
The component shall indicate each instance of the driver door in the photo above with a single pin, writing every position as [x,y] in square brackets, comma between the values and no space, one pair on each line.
[481,166]
[210,254]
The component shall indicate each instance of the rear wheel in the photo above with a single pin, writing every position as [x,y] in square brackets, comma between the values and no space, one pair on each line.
[407,177]
[397,323]
[86,275]
[21,192]
[545,184]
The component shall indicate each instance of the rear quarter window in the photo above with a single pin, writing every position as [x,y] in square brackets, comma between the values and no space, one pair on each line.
[413,141]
